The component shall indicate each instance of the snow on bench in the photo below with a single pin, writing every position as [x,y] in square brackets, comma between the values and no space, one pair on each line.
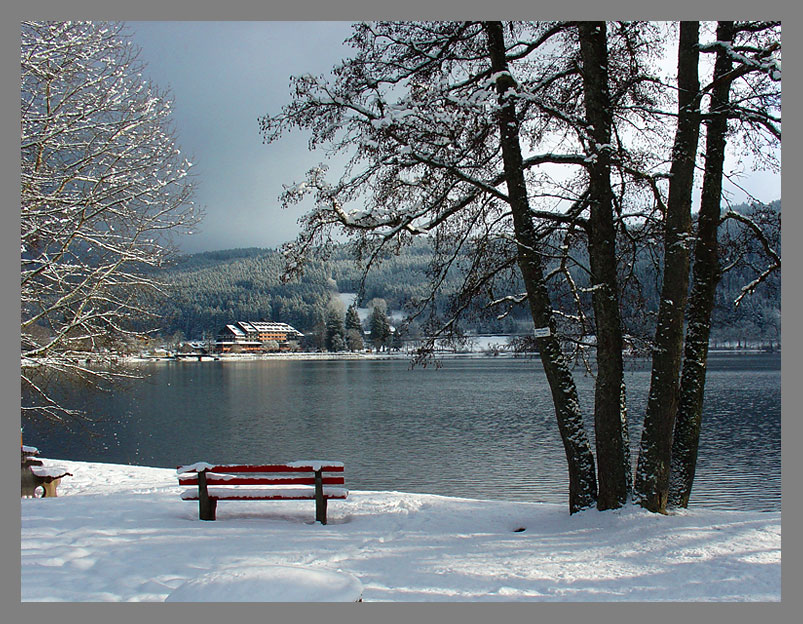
[302,480]
[34,473]
[49,477]
[52,471]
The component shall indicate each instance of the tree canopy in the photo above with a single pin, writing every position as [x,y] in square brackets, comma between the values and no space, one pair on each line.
[103,186]
[533,151]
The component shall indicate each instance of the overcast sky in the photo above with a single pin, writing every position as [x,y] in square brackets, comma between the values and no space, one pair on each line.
[223,76]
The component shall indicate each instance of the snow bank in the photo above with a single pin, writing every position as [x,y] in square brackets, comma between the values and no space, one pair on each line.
[270,584]
[122,533]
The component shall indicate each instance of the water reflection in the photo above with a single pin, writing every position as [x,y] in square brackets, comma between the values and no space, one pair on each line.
[476,428]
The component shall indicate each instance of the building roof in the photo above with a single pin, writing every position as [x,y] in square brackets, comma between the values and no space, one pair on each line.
[241,328]
[264,326]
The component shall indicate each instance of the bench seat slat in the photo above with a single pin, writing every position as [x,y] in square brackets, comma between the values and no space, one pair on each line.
[266,493]
[308,466]
[228,479]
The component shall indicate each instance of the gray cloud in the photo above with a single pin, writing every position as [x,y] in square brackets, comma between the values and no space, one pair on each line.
[223,76]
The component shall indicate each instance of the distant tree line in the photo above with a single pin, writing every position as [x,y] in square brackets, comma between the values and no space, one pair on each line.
[207,290]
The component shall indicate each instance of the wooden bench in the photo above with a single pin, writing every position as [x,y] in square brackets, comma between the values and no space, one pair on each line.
[48,477]
[33,474]
[304,480]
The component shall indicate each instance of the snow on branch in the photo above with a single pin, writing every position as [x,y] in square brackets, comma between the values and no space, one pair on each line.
[103,188]
[760,236]
[762,61]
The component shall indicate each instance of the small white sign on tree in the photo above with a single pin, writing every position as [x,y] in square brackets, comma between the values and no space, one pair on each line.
[542,332]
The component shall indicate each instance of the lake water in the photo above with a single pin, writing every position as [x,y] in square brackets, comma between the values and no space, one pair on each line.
[478,427]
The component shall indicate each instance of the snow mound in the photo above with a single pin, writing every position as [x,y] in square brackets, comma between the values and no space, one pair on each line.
[270,584]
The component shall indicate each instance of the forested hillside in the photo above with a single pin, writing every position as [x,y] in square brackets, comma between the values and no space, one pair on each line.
[208,290]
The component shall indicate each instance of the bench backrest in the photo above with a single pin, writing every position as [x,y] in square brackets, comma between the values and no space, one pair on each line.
[295,473]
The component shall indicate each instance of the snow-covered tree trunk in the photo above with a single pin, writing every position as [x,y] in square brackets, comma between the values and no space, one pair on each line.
[652,474]
[706,274]
[582,480]
[610,413]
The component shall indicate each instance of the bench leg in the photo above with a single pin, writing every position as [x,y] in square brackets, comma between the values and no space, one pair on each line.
[320,501]
[206,505]
[320,510]
[50,487]
[29,482]
[207,508]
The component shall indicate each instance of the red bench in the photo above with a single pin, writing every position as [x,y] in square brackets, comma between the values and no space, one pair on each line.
[304,480]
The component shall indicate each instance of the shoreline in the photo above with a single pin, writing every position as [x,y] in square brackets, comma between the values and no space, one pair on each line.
[406,355]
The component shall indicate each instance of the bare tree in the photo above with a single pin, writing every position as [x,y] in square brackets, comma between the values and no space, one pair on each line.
[652,475]
[745,94]
[103,188]
[610,409]
[442,123]
[534,153]
[582,481]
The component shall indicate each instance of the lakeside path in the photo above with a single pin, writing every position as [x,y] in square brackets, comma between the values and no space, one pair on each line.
[121,533]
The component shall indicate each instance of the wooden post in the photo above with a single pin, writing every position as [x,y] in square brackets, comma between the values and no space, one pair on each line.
[206,506]
[320,501]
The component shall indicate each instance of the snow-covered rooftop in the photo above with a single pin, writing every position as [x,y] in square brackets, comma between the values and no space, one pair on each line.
[264,326]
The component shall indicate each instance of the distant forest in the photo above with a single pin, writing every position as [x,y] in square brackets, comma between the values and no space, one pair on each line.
[207,290]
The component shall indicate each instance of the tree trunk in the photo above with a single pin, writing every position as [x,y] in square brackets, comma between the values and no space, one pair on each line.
[610,416]
[652,474]
[706,275]
[582,478]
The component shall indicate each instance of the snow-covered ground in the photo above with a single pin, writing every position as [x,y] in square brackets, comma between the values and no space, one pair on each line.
[121,533]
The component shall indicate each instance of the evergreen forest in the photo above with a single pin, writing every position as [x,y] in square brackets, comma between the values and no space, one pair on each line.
[204,291]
